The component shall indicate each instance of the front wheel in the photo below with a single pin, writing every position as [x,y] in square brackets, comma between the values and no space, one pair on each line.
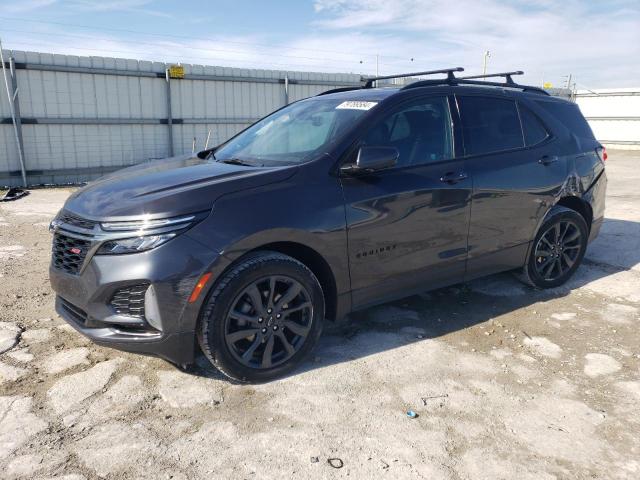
[557,249]
[262,318]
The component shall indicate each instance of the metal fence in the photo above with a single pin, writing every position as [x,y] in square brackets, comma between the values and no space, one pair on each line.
[80,117]
[614,115]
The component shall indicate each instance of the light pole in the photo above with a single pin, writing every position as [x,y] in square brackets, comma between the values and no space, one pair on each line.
[487,54]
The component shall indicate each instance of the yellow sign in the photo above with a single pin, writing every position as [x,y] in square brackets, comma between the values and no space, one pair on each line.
[176,71]
[547,85]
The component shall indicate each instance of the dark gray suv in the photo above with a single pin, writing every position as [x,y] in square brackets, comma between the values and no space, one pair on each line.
[332,204]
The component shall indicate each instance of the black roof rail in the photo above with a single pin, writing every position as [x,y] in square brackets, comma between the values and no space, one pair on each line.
[505,75]
[338,90]
[462,81]
[451,80]
[448,71]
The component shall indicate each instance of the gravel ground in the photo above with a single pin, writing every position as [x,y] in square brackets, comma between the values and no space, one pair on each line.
[507,382]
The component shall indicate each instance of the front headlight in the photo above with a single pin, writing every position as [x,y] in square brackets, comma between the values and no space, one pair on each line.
[134,245]
[142,235]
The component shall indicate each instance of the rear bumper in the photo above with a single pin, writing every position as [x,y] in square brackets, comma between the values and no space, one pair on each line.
[167,324]
[596,198]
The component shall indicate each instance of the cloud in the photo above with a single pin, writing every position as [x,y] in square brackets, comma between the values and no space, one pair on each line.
[134,6]
[598,43]
[26,6]
[547,38]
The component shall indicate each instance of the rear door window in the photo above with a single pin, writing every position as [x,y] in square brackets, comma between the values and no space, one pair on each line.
[533,128]
[489,125]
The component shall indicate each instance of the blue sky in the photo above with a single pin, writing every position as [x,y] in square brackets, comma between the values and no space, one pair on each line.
[598,42]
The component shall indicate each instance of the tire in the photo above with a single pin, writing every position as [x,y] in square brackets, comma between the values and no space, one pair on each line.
[551,263]
[244,331]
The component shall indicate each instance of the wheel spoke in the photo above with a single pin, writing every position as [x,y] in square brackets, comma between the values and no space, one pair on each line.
[246,356]
[568,260]
[244,318]
[285,343]
[272,290]
[256,299]
[556,232]
[241,334]
[548,269]
[268,352]
[297,308]
[543,253]
[567,226]
[571,247]
[296,328]
[574,236]
[544,239]
[291,293]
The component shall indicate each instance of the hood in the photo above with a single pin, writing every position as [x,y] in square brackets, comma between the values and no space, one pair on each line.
[167,188]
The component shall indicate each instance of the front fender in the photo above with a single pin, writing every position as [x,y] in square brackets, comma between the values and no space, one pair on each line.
[308,213]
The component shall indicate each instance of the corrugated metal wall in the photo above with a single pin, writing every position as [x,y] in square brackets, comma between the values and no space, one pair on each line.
[614,115]
[85,116]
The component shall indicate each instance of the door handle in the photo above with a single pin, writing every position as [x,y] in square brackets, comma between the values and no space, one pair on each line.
[548,160]
[453,177]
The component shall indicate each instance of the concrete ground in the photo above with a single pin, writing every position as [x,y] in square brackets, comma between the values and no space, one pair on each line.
[508,382]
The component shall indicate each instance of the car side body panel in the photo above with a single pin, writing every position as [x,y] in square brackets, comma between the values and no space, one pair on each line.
[406,229]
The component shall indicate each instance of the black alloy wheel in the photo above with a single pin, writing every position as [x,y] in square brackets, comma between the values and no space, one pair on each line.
[268,321]
[558,249]
[262,317]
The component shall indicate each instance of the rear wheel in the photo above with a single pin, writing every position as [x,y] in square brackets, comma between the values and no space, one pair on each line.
[262,318]
[557,250]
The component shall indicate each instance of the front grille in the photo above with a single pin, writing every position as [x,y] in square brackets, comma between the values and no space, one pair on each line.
[68,253]
[69,218]
[129,301]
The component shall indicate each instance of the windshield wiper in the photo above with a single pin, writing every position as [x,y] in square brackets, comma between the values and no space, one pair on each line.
[237,161]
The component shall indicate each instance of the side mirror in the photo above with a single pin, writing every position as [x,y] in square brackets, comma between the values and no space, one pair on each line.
[371,159]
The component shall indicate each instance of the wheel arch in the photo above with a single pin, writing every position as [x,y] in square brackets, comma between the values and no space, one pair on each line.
[315,262]
[572,202]
[305,254]
[579,205]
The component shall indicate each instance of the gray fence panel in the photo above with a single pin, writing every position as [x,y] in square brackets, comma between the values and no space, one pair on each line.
[85,116]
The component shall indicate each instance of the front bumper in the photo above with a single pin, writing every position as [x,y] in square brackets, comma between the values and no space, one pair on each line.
[178,348]
[85,300]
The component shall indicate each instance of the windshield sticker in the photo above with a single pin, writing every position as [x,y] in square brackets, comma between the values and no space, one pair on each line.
[353,105]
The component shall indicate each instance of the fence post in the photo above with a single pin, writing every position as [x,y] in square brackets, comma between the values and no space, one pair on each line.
[169,116]
[16,112]
[12,94]
[286,89]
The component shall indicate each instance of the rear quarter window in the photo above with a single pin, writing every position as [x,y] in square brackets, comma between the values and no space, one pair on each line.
[570,116]
[533,128]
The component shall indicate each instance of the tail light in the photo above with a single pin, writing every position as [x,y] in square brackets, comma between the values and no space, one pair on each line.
[602,153]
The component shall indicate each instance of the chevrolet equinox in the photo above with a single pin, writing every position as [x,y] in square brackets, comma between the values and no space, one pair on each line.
[331,204]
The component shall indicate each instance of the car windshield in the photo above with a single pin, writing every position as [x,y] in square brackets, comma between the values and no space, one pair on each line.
[294,134]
